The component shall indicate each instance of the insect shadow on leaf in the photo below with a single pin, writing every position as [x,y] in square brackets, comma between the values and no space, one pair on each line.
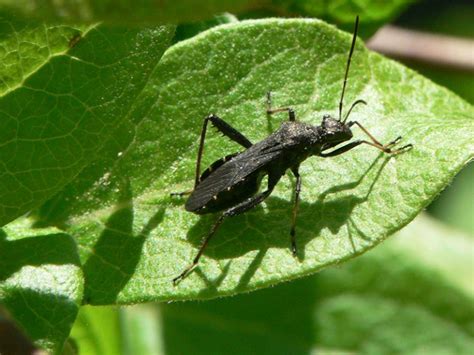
[29,249]
[230,185]
[106,273]
[332,214]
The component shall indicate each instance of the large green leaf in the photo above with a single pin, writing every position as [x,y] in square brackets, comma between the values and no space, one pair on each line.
[64,91]
[41,283]
[134,238]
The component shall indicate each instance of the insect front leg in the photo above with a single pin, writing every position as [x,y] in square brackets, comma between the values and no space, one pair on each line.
[384,148]
[375,143]
[270,111]
[295,210]
[246,205]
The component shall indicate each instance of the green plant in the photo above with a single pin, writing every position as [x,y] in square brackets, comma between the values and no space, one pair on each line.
[100,123]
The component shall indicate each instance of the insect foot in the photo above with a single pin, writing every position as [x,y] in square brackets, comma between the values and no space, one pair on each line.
[405,148]
[184,274]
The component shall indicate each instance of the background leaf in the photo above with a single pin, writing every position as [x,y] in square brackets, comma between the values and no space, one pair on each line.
[128,11]
[134,238]
[60,104]
[342,12]
[98,330]
[41,283]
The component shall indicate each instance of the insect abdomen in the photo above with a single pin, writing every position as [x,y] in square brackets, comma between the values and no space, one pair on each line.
[225,198]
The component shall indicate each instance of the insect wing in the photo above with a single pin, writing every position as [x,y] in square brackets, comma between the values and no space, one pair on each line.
[229,174]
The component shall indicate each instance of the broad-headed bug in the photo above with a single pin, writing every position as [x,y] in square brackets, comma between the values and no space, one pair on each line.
[230,185]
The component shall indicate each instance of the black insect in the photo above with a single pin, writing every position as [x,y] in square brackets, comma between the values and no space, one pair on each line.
[230,185]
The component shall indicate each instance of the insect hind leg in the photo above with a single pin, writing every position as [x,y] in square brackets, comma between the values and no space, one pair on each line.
[233,211]
[229,131]
[225,129]
[271,111]
[295,210]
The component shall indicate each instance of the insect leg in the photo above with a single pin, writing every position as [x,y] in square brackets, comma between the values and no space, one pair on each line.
[204,244]
[341,150]
[295,209]
[270,111]
[229,131]
[224,128]
[383,148]
[233,211]
[375,143]
[248,204]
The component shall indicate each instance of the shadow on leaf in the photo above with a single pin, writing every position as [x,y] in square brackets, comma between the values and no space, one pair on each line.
[117,252]
[52,249]
[45,316]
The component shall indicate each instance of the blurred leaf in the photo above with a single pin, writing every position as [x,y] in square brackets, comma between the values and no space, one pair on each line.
[98,331]
[41,283]
[342,12]
[141,326]
[60,104]
[126,11]
[454,18]
[188,30]
[134,238]
[413,294]
[455,205]
[114,330]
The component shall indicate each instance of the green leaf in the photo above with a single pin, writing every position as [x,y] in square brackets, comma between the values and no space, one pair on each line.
[118,330]
[411,295]
[142,329]
[64,91]
[41,283]
[343,12]
[455,205]
[134,238]
[98,330]
[373,14]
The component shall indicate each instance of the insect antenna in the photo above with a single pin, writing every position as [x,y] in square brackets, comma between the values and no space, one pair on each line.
[347,67]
